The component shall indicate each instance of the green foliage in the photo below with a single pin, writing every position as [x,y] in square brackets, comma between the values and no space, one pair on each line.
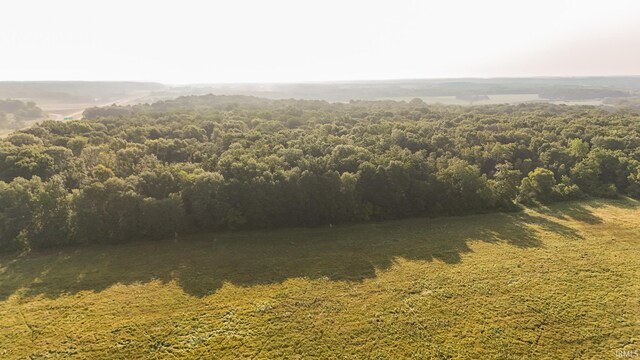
[108,211]
[505,185]
[35,214]
[162,218]
[208,163]
[578,148]
[76,144]
[537,186]
[20,139]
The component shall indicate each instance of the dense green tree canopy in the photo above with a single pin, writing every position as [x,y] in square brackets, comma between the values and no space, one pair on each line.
[213,163]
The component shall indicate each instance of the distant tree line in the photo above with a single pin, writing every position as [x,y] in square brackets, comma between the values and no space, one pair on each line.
[13,113]
[581,93]
[216,163]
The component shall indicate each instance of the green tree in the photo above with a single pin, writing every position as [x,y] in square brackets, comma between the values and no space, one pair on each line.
[538,186]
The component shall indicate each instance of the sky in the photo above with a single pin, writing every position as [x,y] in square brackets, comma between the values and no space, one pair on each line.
[189,41]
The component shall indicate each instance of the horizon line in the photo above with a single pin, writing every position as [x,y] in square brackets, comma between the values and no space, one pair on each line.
[327,81]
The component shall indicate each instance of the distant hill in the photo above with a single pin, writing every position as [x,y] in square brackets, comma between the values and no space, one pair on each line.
[71,97]
[72,91]
[548,89]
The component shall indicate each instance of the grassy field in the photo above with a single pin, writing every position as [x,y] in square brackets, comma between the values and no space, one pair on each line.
[557,283]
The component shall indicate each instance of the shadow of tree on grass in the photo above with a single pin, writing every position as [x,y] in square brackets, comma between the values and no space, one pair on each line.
[201,264]
[579,211]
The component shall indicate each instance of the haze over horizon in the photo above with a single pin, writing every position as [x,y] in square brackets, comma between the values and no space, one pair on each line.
[201,42]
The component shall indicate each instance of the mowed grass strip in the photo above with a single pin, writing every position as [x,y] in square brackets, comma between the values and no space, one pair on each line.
[557,282]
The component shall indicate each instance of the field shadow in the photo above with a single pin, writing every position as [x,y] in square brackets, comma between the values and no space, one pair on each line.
[581,210]
[623,202]
[572,211]
[200,265]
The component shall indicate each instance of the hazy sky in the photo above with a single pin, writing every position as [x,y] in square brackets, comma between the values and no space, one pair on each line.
[189,41]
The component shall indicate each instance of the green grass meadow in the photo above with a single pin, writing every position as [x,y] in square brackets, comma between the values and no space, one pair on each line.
[557,283]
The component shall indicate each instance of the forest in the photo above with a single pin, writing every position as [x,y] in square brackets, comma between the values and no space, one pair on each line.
[218,163]
[14,113]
